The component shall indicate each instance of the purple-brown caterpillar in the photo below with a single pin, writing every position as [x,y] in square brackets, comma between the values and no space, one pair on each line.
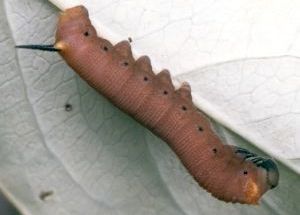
[230,173]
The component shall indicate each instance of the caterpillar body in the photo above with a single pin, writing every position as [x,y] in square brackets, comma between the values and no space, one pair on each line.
[229,173]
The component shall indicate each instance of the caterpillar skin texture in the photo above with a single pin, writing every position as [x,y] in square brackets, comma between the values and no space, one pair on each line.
[229,173]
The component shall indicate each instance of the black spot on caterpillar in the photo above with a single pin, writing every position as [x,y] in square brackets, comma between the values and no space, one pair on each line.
[230,173]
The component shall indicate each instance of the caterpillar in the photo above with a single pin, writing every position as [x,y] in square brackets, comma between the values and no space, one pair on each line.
[229,173]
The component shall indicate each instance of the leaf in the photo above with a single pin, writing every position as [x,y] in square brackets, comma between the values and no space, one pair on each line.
[93,159]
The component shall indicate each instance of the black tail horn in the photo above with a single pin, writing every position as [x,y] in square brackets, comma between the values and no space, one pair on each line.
[50,48]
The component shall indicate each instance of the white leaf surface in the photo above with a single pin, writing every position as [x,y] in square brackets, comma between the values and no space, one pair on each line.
[96,160]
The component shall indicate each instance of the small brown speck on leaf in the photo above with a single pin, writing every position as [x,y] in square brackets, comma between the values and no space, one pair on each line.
[45,194]
[68,107]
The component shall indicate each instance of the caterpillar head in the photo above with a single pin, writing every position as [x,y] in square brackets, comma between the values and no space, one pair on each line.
[267,174]
[267,164]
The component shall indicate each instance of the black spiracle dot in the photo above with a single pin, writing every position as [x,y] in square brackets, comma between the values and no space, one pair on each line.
[184,108]
[68,107]
[145,78]
[245,172]
[165,92]
[200,128]
[105,48]
[125,63]
[86,34]
[215,150]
